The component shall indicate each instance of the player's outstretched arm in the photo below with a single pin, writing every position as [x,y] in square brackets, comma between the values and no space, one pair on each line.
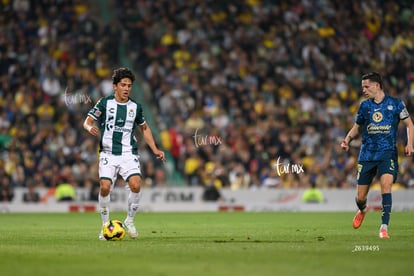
[149,139]
[353,132]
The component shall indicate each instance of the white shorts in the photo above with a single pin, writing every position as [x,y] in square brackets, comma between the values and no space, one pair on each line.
[126,165]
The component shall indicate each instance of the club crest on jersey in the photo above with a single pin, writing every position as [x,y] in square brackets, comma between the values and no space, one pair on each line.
[390,107]
[97,112]
[377,117]
[131,113]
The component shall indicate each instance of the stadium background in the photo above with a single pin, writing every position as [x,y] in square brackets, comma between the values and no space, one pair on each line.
[258,81]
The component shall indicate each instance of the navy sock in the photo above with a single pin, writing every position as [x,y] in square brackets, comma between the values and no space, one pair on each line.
[361,204]
[386,208]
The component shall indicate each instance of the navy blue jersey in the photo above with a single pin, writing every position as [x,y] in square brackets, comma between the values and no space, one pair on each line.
[379,123]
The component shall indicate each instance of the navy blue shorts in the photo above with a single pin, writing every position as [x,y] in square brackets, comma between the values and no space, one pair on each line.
[368,169]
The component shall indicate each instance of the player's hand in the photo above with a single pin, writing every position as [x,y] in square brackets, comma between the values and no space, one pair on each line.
[94,131]
[160,155]
[345,145]
[409,150]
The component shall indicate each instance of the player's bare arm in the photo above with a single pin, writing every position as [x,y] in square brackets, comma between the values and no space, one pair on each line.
[88,124]
[353,132]
[149,139]
[409,150]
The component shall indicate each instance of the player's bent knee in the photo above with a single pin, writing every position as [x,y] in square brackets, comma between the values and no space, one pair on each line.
[105,187]
[134,187]
[134,184]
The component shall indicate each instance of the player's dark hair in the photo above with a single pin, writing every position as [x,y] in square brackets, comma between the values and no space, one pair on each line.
[122,73]
[373,77]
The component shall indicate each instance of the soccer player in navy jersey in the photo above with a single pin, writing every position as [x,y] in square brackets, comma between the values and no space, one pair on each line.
[377,120]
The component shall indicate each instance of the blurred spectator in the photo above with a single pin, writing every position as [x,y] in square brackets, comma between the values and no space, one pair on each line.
[6,190]
[31,195]
[211,193]
[272,180]
[65,192]
[239,178]
[211,183]
[312,194]
[51,85]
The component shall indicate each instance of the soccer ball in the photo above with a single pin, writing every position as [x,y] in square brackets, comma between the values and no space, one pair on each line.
[114,230]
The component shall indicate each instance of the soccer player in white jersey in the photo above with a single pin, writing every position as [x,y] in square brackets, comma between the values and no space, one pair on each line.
[118,115]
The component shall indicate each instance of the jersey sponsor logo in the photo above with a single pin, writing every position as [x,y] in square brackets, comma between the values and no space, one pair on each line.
[377,117]
[111,110]
[374,129]
[122,129]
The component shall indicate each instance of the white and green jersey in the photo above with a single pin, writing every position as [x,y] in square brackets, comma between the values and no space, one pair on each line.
[117,124]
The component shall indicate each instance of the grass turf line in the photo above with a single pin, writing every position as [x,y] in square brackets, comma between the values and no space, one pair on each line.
[275,243]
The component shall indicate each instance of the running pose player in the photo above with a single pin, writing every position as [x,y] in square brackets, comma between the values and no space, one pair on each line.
[378,118]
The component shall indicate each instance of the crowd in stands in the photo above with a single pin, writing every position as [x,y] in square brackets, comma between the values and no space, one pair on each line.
[56,59]
[247,94]
[254,94]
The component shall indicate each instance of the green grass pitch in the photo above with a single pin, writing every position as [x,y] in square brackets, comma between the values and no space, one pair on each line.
[238,243]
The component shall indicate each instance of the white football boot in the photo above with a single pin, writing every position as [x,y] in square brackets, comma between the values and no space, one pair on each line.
[132,231]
